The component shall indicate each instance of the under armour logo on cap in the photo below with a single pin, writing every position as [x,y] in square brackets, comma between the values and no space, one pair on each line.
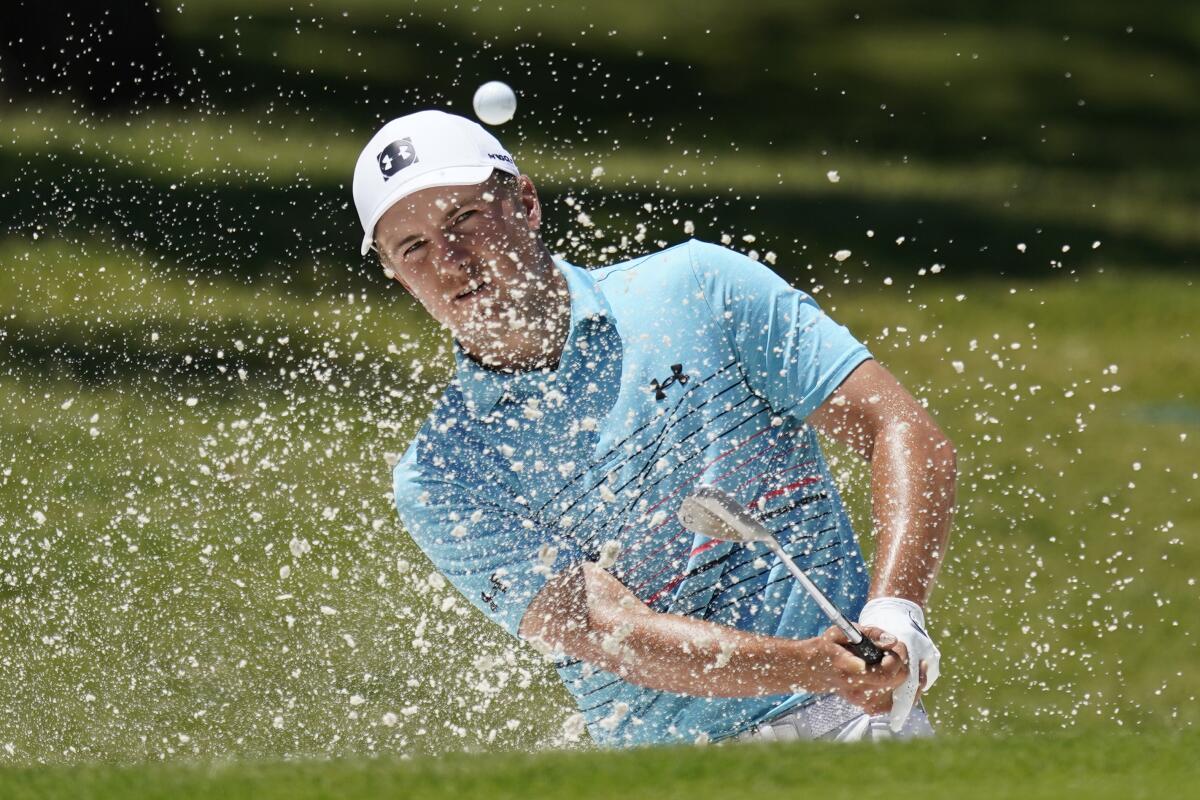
[396,156]
[677,376]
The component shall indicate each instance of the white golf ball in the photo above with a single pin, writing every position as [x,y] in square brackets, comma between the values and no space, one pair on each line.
[495,103]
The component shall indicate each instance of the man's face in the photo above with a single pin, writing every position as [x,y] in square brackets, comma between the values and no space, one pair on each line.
[471,256]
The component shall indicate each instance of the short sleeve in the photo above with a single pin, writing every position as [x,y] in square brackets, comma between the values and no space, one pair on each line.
[498,557]
[793,354]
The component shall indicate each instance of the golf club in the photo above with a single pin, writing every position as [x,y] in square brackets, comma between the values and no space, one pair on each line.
[713,513]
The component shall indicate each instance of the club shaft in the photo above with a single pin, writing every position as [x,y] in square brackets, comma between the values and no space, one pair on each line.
[833,612]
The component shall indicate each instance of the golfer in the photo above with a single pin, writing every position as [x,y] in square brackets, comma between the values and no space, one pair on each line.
[587,404]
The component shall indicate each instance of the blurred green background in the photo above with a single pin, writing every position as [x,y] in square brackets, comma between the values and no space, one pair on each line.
[203,378]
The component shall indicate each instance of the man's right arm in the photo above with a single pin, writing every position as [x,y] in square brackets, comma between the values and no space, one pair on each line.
[588,614]
[499,558]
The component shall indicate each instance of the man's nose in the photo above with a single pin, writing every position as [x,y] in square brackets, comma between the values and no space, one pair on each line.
[453,257]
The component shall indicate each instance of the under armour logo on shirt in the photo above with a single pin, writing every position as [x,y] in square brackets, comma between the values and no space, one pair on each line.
[497,586]
[677,376]
[395,157]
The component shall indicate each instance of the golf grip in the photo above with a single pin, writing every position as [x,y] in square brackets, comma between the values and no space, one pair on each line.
[867,650]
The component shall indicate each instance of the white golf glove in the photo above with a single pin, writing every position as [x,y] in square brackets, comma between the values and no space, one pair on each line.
[905,620]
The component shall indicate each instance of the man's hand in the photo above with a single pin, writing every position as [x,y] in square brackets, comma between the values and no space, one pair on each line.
[905,620]
[847,675]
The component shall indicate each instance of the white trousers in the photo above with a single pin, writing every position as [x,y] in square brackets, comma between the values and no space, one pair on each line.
[830,718]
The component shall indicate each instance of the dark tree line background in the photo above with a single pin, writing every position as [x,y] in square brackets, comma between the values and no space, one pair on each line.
[1086,113]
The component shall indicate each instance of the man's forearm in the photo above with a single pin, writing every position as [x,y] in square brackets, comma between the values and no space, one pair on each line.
[690,656]
[669,652]
[913,469]
[912,476]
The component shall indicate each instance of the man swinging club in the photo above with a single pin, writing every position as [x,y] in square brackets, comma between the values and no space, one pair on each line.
[587,404]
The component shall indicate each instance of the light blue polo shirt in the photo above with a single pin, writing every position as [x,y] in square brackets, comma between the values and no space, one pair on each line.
[694,365]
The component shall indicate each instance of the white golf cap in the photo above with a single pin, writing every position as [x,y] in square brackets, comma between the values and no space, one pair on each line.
[417,151]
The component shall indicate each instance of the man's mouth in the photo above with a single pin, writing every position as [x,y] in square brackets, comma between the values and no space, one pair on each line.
[474,289]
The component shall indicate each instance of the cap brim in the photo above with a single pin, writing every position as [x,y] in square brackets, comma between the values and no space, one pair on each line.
[447,176]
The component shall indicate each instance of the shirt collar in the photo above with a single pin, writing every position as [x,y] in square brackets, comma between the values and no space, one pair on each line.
[483,388]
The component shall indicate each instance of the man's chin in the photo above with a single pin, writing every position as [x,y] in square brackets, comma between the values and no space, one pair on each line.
[489,360]
[481,329]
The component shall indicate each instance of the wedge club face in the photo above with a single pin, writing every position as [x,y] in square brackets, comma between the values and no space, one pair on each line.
[713,513]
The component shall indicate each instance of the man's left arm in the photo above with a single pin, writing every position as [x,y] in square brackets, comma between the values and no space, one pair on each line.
[808,367]
[913,470]
[912,477]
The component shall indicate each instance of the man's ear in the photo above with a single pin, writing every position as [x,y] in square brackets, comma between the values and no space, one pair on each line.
[527,196]
[391,275]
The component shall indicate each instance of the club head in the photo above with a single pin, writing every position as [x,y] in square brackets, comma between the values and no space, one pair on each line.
[713,513]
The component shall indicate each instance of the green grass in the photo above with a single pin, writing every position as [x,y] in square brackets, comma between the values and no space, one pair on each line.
[964,129]
[944,78]
[1073,550]
[150,502]
[1122,766]
[248,148]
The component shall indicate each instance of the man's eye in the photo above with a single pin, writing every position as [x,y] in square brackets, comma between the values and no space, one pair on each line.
[463,217]
[412,248]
